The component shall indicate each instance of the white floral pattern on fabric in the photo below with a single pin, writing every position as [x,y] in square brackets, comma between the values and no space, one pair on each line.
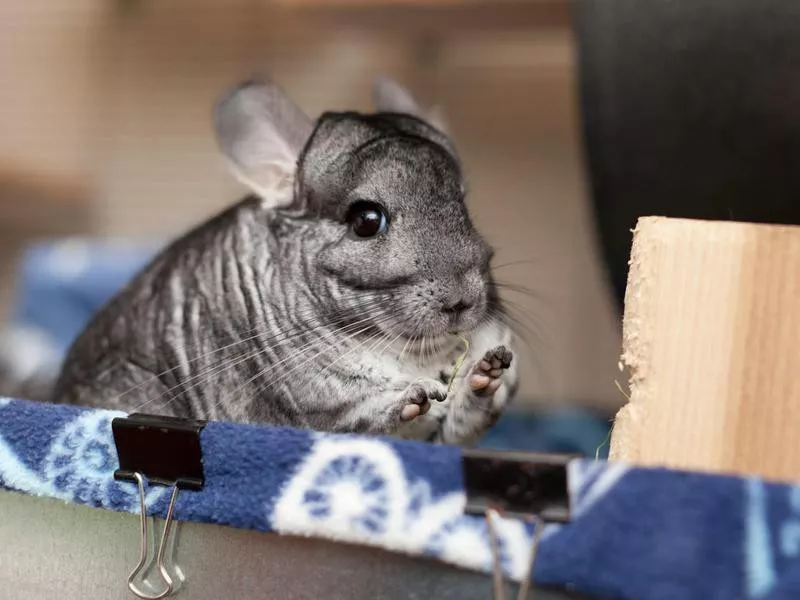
[358,491]
[82,461]
[79,466]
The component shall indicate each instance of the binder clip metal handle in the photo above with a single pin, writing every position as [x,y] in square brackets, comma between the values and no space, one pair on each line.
[145,545]
[529,486]
[165,451]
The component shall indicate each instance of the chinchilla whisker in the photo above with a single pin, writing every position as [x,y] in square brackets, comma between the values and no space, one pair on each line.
[505,306]
[217,369]
[524,291]
[310,375]
[384,344]
[409,341]
[429,346]
[502,315]
[265,337]
[535,354]
[316,340]
[379,335]
[511,323]
[412,339]
[532,324]
[271,383]
[401,323]
[517,262]
[511,301]
[265,372]
[213,333]
[436,345]
[283,336]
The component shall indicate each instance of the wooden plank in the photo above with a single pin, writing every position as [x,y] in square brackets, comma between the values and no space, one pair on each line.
[712,338]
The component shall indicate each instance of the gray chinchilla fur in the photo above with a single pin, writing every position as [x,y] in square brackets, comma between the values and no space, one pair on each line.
[330,299]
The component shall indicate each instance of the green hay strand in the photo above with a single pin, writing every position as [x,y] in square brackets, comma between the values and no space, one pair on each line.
[459,363]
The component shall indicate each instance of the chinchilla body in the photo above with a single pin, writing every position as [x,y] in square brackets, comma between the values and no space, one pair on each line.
[337,298]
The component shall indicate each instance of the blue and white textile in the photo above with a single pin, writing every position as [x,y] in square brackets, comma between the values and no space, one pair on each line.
[637,534]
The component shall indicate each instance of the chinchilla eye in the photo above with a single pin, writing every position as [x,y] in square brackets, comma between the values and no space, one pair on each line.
[367,219]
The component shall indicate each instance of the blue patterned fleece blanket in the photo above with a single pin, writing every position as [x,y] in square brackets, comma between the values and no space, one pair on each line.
[636,534]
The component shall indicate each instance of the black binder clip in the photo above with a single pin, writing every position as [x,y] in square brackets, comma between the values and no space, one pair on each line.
[164,451]
[529,486]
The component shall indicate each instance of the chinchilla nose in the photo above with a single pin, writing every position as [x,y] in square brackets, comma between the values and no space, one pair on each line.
[454,307]
[461,300]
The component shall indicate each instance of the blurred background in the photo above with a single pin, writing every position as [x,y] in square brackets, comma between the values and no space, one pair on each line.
[106,148]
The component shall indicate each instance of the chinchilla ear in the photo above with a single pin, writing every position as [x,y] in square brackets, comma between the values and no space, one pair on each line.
[390,96]
[262,133]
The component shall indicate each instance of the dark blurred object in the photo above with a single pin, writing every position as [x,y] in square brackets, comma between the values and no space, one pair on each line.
[690,109]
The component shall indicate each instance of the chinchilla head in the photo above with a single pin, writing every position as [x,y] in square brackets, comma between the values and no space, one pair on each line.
[379,203]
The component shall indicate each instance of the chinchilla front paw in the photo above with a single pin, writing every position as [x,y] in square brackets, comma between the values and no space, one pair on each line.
[417,397]
[485,375]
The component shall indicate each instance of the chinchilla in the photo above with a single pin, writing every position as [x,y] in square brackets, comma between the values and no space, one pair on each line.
[338,297]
